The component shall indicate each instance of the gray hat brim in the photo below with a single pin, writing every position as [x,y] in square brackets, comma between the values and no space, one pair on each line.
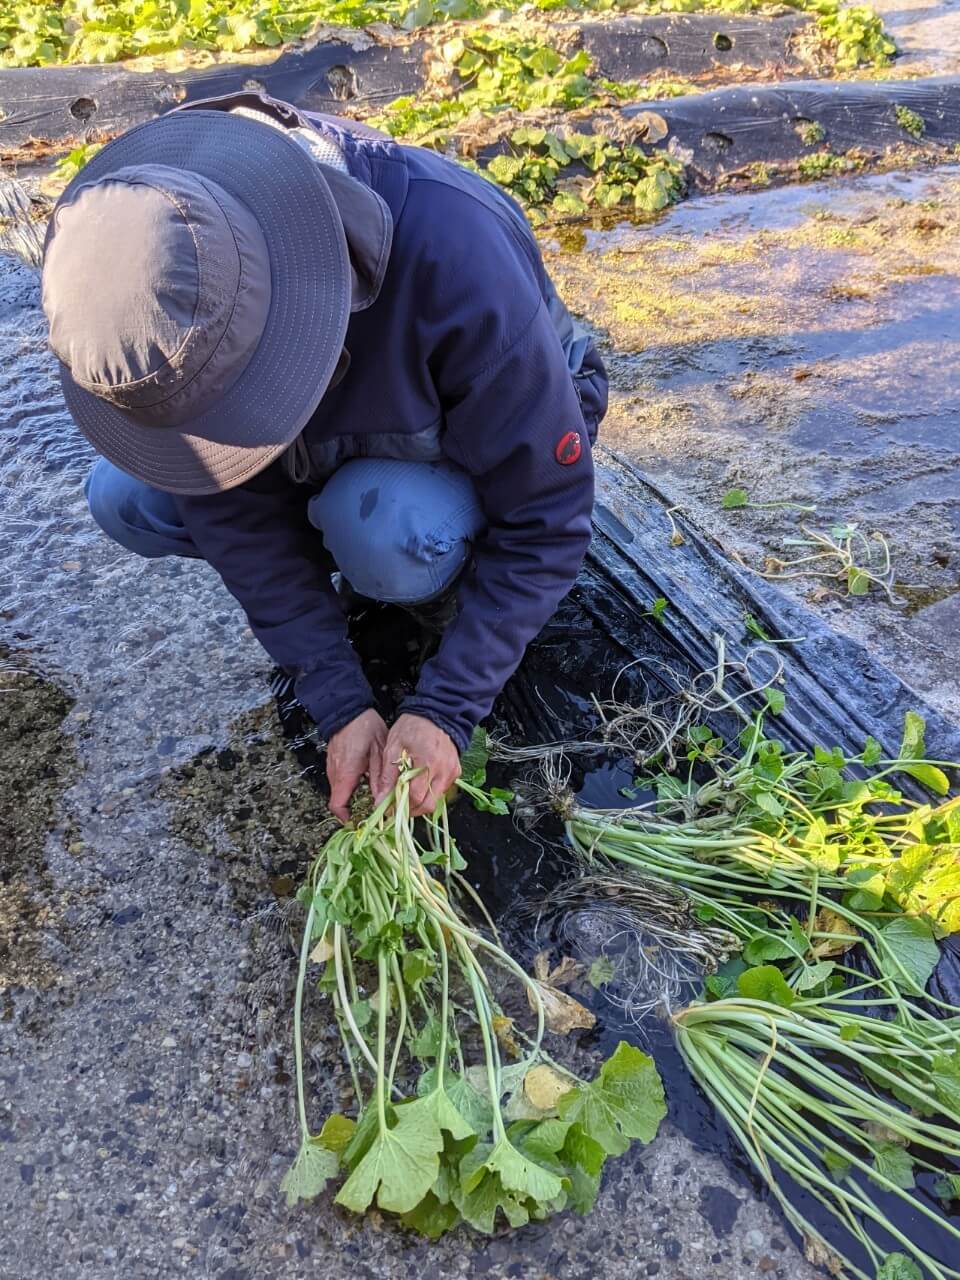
[278,391]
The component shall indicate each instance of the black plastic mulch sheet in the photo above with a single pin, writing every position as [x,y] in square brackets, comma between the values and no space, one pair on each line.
[837,693]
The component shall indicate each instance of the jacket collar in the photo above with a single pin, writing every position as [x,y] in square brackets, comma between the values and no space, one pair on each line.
[368,198]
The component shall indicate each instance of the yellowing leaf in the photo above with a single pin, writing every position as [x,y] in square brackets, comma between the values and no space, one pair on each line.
[310,1172]
[568,970]
[336,1133]
[562,1013]
[503,1030]
[544,1087]
[323,951]
[827,921]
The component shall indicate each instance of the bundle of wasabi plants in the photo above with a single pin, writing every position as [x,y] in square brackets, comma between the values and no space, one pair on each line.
[819,1043]
[414,987]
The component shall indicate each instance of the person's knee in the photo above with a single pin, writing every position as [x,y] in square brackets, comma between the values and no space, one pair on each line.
[141,519]
[399,532]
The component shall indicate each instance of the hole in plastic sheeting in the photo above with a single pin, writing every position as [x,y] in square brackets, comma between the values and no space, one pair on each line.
[722,43]
[716,143]
[343,83]
[83,108]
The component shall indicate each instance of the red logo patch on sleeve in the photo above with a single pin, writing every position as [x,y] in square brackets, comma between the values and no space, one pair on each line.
[569,449]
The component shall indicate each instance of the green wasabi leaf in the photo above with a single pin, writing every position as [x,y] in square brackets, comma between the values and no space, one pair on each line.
[314,1166]
[430,1217]
[505,168]
[947,1187]
[479,1206]
[836,1164]
[812,975]
[872,751]
[897,1266]
[929,776]
[417,965]
[363,1135]
[893,1162]
[362,1012]
[945,1074]
[600,972]
[912,942]
[871,887]
[436,1110]
[518,1174]
[776,700]
[399,1168]
[734,498]
[913,744]
[720,986]
[426,1043]
[471,1104]
[584,1158]
[473,762]
[769,803]
[527,137]
[625,1101]
[765,982]
[764,946]
[337,1133]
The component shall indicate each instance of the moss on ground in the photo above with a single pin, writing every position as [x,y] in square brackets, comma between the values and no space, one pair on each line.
[38,762]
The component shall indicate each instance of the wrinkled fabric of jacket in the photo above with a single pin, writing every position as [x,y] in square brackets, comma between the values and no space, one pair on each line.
[466,354]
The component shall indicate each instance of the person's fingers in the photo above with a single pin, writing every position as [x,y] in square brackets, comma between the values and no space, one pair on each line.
[422,796]
[389,771]
[374,765]
[343,782]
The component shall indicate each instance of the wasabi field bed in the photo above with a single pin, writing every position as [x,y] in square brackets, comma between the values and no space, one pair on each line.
[812,325]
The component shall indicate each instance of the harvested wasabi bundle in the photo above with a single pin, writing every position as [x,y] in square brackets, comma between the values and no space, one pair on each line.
[819,1043]
[854,1108]
[445,1131]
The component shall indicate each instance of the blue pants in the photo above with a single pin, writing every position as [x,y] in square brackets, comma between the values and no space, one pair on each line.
[398,531]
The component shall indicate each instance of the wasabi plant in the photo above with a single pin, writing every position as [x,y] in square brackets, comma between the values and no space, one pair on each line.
[910,121]
[840,1071]
[804,1085]
[811,132]
[414,987]
[844,556]
[737,499]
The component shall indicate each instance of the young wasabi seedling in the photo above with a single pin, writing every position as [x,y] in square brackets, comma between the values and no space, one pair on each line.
[736,499]
[755,631]
[844,556]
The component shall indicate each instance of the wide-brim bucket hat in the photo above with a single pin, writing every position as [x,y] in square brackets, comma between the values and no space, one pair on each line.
[265,338]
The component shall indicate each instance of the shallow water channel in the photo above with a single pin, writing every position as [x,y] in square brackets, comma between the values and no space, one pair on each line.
[156,818]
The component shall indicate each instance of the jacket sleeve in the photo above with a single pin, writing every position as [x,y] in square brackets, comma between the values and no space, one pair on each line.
[259,540]
[504,424]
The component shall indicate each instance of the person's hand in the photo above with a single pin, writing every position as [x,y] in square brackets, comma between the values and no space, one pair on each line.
[429,749]
[353,751]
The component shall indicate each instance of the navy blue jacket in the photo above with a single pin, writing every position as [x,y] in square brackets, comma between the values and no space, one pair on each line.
[459,340]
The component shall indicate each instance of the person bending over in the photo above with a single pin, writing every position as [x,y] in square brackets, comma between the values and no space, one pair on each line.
[302,349]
